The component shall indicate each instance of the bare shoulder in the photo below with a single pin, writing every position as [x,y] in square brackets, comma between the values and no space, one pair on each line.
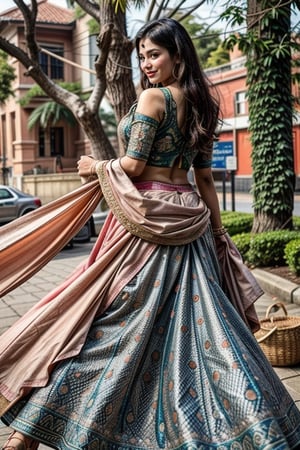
[152,94]
[152,103]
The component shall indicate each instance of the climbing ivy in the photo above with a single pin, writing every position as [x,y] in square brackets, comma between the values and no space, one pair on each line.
[268,47]
[7,76]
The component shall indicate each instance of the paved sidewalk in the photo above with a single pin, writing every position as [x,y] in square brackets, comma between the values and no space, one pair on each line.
[21,299]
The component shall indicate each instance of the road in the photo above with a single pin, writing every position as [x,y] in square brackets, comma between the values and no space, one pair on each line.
[243,202]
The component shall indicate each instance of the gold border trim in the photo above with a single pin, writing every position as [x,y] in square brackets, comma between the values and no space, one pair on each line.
[131,227]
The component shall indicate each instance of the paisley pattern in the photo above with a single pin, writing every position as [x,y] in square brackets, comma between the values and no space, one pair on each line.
[170,365]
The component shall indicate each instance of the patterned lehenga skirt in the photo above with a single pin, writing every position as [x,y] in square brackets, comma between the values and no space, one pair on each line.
[168,365]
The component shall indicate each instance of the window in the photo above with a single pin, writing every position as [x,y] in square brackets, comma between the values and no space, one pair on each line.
[240,103]
[52,66]
[13,131]
[42,142]
[3,142]
[57,141]
[4,194]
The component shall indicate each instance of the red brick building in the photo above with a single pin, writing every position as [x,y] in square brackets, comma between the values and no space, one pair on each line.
[37,150]
[230,80]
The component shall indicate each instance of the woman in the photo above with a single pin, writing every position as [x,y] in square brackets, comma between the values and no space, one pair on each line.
[167,361]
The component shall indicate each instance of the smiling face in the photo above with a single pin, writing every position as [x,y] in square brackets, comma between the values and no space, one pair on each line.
[156,63]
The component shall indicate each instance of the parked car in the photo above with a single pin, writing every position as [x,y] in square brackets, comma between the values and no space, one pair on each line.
[86,232]
[14,203]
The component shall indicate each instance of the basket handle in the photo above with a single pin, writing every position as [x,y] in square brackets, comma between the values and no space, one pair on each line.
[279,305]
[269,333]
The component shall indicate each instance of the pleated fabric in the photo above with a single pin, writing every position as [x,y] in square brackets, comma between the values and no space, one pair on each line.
[169,365]
[166,359]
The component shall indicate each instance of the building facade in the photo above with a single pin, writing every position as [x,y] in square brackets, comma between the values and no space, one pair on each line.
[230,80]
[56,148]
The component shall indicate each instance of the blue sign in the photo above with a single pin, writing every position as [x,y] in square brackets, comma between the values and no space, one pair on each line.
[221,151]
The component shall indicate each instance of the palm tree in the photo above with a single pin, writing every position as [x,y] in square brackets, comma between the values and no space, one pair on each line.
[50,113]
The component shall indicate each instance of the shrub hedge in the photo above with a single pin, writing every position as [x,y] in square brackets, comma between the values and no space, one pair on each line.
[292,255]
[242,241]
[236,222]
[269,248]
[296,223]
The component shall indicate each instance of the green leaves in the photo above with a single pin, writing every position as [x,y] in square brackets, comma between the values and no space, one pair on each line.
[120,4]
[292,255]
[37,91]
[50,113]
[267,249]
[7,76]
[234,15]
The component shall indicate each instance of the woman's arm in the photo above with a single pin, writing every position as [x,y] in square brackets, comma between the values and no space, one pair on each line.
[87,166]
[151,103]
[206,186]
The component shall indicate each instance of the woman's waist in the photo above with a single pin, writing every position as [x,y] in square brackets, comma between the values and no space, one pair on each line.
[154,185]
[169,177]
[157,211]
[173,179]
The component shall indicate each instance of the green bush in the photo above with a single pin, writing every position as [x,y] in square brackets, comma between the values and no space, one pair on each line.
[240,222]
[242,241]
[296,223]
[292,255]
[237,222]
[263,249]
[267,248]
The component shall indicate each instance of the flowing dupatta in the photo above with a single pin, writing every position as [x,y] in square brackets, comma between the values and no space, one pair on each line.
[30,242]
[26,245]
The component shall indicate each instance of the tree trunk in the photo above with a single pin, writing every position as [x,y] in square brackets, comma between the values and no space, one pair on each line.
[270,116]
[268,222]
[120,87]
[101,147]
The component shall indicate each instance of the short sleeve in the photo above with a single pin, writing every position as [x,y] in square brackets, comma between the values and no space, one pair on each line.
[202,161]
[142,134]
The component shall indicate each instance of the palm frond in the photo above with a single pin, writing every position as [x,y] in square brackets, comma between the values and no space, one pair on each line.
[50,113]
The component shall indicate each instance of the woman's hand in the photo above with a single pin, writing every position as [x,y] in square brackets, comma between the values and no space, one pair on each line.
[86,166]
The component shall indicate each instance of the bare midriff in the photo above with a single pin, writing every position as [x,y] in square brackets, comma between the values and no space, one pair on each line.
[172,175]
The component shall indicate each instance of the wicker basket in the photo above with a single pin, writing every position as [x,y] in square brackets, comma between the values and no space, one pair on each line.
[279,338]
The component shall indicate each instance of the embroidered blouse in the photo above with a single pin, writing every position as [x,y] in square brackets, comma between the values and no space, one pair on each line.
[161,144]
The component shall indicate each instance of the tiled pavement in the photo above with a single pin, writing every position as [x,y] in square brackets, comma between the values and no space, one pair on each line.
[21,299]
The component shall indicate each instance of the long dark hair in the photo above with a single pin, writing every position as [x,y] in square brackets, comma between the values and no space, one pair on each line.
[202,107]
